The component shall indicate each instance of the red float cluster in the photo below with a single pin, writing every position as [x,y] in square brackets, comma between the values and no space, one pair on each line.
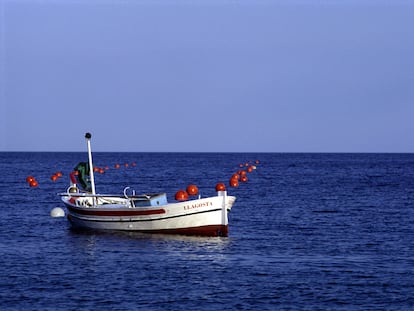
[117,165]
[56,176]
[33,182]
[100,170]
[182,195]
[239,176]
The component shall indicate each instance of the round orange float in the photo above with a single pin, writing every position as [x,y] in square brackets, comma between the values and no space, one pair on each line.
[234,182]
[192,190]
[220,187]
[181,195]
[33,183]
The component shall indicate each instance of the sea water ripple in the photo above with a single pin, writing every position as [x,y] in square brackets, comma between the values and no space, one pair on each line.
[307,232]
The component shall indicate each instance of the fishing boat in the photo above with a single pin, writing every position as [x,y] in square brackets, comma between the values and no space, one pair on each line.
[148,213]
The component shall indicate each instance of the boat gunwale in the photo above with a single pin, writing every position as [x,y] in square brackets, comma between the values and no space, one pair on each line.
[123,208]
[118,196]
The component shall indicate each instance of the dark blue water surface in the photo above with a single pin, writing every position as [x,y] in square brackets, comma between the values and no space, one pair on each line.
[308,231]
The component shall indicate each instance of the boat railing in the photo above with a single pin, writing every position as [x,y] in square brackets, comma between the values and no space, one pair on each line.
[82,194]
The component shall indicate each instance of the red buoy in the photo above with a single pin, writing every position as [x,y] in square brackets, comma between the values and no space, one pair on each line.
[29,179]
[181,195]
[249,169]
[58,174]
[235,176]
[220,187]
[243,178]
[53,177]
[33,183]
[192,190]
[234,182]
[117,165]
[242,173]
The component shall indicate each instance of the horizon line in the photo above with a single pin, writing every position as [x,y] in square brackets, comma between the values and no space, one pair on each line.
[264,152]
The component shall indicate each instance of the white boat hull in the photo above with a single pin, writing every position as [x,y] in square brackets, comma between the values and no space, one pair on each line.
[207,216]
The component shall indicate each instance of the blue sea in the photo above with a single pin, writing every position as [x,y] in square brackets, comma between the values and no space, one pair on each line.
[307,232]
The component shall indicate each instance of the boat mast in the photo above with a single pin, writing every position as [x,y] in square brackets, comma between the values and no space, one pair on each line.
[88,142]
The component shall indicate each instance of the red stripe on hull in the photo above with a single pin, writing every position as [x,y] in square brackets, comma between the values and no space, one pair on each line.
[212,230]
[96,212]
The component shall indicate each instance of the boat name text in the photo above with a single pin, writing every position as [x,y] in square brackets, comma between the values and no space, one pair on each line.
[197,205]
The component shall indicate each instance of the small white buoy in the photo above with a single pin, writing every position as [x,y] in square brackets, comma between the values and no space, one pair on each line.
[57,212]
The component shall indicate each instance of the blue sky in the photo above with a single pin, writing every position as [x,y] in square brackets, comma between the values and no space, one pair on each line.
[231,76]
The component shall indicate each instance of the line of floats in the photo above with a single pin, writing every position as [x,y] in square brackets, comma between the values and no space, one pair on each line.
[33,183]
[240,176]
